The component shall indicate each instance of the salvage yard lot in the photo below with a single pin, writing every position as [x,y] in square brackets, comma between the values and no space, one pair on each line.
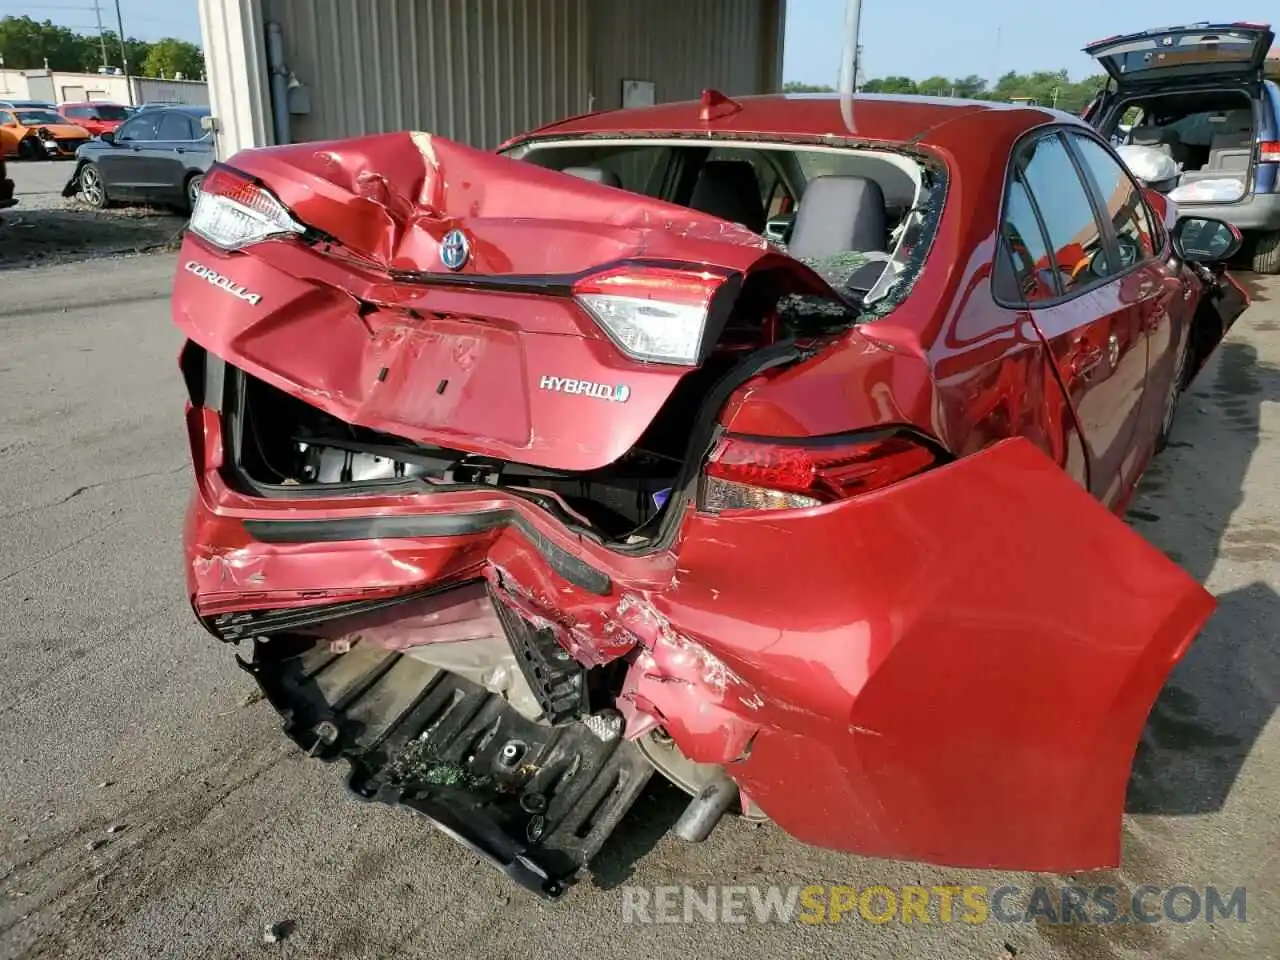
[117,712]
[47,228]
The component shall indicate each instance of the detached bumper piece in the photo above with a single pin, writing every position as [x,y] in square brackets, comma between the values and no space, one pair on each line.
[536,801]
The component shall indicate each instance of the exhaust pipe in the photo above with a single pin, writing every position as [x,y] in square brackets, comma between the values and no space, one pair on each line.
[705,810]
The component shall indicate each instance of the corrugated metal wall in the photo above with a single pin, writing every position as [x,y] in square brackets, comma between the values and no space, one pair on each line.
[684,47]
[472,70]
[480,71]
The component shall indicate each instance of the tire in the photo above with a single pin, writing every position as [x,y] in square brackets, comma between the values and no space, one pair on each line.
[1266,253]
[1175,393]
[92,190]
[30,149]
[192,190]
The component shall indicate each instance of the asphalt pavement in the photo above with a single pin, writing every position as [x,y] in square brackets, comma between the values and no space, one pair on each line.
[152,808]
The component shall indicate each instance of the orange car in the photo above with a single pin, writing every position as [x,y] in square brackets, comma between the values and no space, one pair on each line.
[33,134]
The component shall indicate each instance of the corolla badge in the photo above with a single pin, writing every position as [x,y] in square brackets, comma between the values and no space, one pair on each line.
[455,250]
[209,275]
[619,393]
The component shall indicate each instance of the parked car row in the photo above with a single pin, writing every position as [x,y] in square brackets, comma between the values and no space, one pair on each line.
[156,156]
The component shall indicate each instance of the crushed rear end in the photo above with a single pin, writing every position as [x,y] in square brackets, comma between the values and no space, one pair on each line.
[510,507]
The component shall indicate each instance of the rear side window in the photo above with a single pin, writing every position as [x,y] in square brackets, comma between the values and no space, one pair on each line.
[1122,200]
[1075,236]
[174,126]
[1025,272]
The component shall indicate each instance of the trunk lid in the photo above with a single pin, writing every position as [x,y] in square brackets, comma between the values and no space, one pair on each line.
[459,298]
[1198,52]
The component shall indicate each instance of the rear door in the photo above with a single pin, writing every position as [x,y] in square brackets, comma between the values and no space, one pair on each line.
[1061,256]
[1156,294]
[126,167]
[175,136]
[1193,52]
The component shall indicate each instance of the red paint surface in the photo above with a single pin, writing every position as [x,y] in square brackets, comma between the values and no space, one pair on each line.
[955,668]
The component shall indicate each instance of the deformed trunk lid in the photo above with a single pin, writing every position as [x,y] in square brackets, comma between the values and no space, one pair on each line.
[495,358]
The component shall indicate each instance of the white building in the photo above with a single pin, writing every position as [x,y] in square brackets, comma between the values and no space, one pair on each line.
[477,71]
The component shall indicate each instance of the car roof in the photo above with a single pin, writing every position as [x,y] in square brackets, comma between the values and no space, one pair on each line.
[877,117]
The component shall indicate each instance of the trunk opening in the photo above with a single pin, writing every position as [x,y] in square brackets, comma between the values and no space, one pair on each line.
[1209,134]
[285,447]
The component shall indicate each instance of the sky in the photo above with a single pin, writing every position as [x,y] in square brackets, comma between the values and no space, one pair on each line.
[913,38]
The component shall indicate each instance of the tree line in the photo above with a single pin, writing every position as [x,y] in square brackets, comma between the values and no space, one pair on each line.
[27,44]
[1047,87]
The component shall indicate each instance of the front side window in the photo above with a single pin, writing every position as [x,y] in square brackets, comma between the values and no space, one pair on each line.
[1123,202]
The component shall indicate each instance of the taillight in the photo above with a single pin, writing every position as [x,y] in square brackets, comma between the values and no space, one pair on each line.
[232,211]
[1269,151]
[653,314]
[747,473]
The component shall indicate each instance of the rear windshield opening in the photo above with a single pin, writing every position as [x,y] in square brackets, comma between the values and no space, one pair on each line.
[1209,136]
[861,218]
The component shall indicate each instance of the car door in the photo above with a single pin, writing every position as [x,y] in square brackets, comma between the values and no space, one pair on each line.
[174,137]
[8,134]
[1061,253]
[1157,289]
[126,169]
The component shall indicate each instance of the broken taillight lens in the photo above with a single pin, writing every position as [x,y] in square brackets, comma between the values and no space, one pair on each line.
[754,474]
[232,211]
[653,314]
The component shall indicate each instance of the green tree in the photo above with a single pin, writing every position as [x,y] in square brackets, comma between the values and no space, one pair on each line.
[26,44]
[936,86]
[795,86]
[170,56]
[970,86]
[890,85]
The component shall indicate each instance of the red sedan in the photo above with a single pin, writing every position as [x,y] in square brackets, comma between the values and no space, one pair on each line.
[709,439]
[96,117]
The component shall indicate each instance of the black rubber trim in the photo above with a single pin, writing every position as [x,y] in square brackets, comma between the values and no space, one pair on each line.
[563,562]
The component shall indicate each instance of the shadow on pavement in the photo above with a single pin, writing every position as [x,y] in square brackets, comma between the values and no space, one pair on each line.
[1219,699]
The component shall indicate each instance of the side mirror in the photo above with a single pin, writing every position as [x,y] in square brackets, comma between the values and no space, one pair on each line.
[1201,240]
[106,136]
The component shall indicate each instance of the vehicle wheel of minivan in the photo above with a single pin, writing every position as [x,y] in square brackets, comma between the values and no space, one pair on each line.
[1175,392]
[92,190]
[1266,253]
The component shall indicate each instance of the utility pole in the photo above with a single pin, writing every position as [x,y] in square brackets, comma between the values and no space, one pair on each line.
[124,55]
[102,37]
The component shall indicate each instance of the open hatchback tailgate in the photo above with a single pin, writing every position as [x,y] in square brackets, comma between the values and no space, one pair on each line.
[1200,51]
[955,665]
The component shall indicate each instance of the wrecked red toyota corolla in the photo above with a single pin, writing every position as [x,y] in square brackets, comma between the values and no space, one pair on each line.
[702,439]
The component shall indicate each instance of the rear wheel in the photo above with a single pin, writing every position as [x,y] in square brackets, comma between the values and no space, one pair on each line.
[1266,253]
[92,190]
[193,190]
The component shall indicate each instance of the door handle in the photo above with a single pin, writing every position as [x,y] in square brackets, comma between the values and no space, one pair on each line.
[179,150]
[1083,363]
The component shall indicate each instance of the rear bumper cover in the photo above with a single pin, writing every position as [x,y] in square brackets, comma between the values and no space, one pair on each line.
[957,587]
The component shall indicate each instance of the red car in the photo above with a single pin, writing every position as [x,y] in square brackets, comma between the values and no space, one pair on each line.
[703,438]
[97,118]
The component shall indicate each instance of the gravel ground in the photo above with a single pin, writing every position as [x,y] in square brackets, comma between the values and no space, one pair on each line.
[117,712]
[46,228]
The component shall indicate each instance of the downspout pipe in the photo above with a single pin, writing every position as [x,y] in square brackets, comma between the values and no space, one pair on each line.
[279,82]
